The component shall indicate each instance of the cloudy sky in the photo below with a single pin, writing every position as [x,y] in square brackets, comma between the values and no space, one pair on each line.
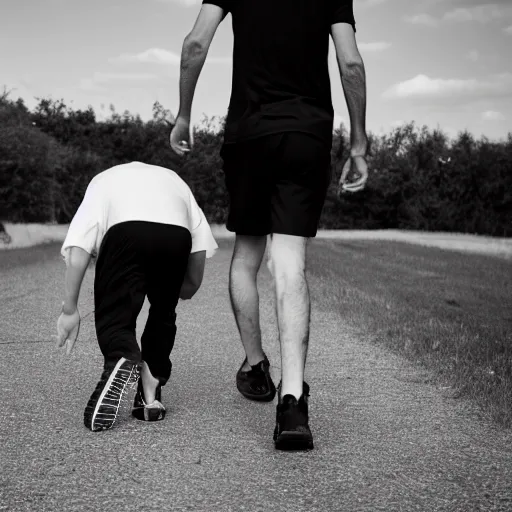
[443,63]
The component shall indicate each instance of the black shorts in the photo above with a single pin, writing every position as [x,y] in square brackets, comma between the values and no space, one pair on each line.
[277,184]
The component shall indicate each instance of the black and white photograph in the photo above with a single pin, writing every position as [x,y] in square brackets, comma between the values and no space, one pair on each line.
[256,255]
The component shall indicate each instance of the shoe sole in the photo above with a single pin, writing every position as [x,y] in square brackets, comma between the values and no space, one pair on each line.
[290,440]
[101,411]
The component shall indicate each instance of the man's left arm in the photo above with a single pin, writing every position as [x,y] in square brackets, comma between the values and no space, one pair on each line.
[193,56]
[353,79]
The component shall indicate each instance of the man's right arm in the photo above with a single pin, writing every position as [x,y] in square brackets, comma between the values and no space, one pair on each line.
[193,56]
[194,275]
[195,49]
[353,79]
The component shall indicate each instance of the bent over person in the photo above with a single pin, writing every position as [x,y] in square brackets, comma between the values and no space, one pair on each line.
[151,240]
[277,165]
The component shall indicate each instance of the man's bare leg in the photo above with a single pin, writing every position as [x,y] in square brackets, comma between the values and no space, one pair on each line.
[288,267]
[149,383]
[245,264]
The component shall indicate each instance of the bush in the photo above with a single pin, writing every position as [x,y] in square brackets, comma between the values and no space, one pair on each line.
[27,181]
[419,179]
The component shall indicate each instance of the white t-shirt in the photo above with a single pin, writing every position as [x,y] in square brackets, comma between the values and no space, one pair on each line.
[137,191]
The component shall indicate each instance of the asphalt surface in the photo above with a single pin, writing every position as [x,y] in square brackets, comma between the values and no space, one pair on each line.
[385,438]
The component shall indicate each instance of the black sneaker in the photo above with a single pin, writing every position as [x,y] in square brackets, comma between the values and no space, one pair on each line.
[292,429]
[256,384]
[103,406]
[148,412]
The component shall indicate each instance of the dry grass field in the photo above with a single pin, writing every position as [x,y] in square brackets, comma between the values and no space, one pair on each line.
[448,310]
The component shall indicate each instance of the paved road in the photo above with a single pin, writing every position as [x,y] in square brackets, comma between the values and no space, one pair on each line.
[385,439]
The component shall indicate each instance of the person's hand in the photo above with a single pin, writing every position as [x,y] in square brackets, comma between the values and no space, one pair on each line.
[180,139]
[68,327]
[354,166]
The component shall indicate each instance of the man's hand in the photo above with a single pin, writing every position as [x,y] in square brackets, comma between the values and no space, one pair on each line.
[354,166]
[181,141]
[68,327]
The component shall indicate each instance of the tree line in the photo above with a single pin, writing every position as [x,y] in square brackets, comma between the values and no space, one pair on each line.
[420,178]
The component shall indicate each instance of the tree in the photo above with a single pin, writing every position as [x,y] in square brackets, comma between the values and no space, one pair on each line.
[419,178]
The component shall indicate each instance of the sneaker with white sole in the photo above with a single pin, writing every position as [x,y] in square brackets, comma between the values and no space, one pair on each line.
[103,406]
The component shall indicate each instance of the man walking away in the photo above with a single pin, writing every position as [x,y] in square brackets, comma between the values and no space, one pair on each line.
[276,153]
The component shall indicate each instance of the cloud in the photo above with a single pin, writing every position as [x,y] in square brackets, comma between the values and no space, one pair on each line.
[379,46]
[480,13]
[153,55]
[492,115]
[473,55]
[161,56]
[508,30]
[99,80]
[397,123]
[369,3]
[423,87]
[186,3]
[422,19]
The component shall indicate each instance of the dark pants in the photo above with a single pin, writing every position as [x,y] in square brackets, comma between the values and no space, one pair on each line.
[138,259]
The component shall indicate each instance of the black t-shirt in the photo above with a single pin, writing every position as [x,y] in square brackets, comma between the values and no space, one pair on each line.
[280,66]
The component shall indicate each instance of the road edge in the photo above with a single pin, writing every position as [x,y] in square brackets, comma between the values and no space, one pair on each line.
[30,235]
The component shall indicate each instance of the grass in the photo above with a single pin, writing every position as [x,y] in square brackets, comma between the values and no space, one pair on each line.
[450,311]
